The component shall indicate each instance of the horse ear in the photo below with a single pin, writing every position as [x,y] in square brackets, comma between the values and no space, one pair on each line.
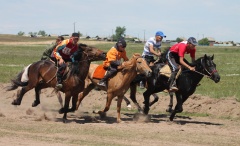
[136,55]
[212,57]
[205,56]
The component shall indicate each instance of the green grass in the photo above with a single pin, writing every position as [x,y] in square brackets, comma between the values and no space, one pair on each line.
[14,57]
[16,38]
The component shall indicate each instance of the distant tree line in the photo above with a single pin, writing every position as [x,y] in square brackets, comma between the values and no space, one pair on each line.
[119,32]
[40,32]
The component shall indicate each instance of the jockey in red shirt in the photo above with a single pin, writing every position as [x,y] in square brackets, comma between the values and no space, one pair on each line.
[62,54]
[175,57]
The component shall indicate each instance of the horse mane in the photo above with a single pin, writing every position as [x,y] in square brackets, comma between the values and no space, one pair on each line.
[78,56]
[163,55]
[129,64]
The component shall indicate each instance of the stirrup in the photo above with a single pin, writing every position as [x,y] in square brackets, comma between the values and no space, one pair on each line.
[141,86]
[173,89]
[101,83]
[59,86]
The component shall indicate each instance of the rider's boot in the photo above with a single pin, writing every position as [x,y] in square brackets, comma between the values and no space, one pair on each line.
[172,80]
[59,80]
[103,81]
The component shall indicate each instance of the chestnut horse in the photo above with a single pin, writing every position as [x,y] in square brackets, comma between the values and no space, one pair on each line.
[117,85]
[42,74]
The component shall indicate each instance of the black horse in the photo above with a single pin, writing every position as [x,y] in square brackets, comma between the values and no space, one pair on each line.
[186,82]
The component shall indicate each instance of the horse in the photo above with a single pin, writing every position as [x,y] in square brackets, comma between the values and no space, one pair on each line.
[42,74]
[117,85]
[186,82]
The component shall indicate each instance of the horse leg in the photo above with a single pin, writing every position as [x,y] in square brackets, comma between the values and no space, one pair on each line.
[66,106]
[20,94]
[169,109]
[60,99]
[133,90]
[119,102]
[127,102]
[155,99]
[102,113]
[37,97]
[178,108]
[74,101]
[84,94]
[146,95]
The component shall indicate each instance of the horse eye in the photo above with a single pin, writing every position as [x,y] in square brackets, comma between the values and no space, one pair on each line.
[208,63]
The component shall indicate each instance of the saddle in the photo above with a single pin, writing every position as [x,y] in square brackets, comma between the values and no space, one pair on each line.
[99,72]
[166,71]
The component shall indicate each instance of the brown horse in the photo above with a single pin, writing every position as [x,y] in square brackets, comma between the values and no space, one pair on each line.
[42,74]
[117,85]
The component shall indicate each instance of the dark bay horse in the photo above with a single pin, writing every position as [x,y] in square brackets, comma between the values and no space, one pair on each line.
[117,85]
[187,83]
[42,74]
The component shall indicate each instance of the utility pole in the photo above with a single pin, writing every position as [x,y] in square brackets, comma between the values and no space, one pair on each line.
[74,26]
[144,36]
[112,35]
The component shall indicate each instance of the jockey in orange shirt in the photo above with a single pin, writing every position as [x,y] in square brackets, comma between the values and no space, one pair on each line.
[113,60]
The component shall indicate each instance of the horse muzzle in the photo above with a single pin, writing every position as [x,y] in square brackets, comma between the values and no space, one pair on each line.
[148,73]
[103,55]
[216,79]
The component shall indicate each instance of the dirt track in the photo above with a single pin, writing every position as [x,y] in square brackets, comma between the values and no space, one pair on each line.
[42,125]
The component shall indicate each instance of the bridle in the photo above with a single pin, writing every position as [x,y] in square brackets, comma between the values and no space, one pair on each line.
[140,63]
[204,68]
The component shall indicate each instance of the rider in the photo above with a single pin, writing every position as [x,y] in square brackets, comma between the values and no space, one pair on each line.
[175,57]
[152,47]
[113,60]
[63,53]
[47,53]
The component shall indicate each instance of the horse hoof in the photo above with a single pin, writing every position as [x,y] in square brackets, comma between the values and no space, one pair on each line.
[64,120]
[15,102]
[95,112]
[71,110]
[102,114]
[120,121]
[129,107]
[169,110]
[35,103]
[179,110]
[61,111]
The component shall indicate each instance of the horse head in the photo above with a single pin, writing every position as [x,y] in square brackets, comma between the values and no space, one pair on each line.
[141,65]
[92,53]
[209,68]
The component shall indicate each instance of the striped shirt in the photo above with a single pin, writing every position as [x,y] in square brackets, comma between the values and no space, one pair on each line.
[151,41]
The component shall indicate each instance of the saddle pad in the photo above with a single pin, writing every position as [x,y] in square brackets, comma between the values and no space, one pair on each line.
[165,70]
[99,72]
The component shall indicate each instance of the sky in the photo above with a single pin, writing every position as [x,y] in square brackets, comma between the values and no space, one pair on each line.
[219,19]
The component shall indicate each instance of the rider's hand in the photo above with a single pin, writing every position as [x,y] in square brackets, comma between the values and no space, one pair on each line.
[61,61]
[191,68]
[159,54]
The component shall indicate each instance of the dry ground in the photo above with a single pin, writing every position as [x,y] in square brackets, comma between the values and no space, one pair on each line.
[42,125]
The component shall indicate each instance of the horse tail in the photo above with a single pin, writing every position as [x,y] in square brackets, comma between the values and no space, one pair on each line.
[17,82]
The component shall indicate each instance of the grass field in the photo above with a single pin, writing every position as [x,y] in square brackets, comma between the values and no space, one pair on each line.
[14,57]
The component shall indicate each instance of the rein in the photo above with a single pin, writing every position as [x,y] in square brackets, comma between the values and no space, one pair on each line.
[210,74]
[85,59]
[57,68]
